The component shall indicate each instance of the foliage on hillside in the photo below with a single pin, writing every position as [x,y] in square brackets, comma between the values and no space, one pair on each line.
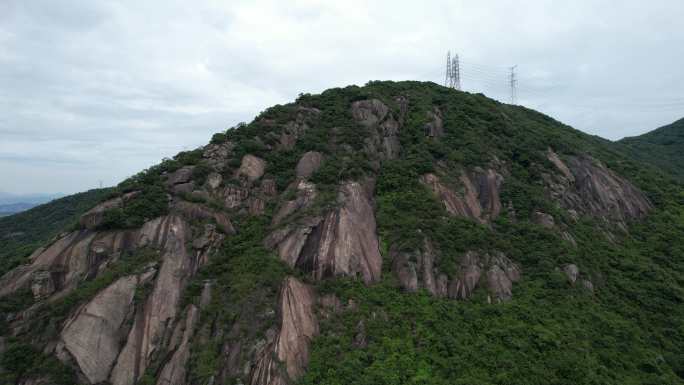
[663,147]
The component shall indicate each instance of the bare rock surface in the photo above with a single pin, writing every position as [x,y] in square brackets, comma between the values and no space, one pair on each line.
[420,270]
[305,194]
[309,163]
[289,345]
[182,175]
[435,127]
[343,242]
[252,167]
[93,335]
[479,197]
[216,155]
[543,219]
[305,117]
[175,370]
[588,187]
[369,112]
[160,309]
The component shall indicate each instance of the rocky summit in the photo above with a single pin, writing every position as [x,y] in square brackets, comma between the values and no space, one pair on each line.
[396,233]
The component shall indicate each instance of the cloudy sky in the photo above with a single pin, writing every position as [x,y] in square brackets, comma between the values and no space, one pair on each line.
[95,91]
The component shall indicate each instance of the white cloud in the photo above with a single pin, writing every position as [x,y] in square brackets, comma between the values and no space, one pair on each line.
[100,90]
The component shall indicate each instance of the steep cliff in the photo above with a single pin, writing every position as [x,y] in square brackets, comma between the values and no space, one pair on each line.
[393,233]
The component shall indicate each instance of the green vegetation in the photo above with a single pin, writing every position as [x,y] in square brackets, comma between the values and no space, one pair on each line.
[663,147]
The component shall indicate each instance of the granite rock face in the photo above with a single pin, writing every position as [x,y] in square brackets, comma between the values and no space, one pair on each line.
[478,198]
[160,309]
[383,125]
[587,187]
[93,335]
[343,242]
[285,356]
[419,269]
[252,167]
[308,164]
[175,370]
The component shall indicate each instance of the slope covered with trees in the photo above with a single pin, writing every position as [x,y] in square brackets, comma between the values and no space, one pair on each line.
[663,147]
[396,233]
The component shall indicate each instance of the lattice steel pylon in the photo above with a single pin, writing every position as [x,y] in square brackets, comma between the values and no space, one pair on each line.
[453,72]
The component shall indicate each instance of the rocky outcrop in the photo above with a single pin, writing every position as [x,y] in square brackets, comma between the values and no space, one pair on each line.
[196,211]
[92,218]
[572,272]
[294,129]
[305,194]
[309,163]
[420,269]
[216,155]
[343,242]
[181,176]
[543,219]
[290,344]
[93,335]
[588,187]
[75,256]
[153,321]
[175,370]
[369,112]
[478,198]
[434,128]
[384,126]
[251,167]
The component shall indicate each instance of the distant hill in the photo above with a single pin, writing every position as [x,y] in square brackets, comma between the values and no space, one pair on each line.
[663,147]
[13,208]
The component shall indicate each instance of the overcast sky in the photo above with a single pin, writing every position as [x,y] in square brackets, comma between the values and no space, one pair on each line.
[98,90]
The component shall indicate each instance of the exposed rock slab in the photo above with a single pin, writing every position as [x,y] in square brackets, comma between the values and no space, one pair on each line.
[175,370]
[344,242]
[252,167]
[309,163]
[289,345]
[157,315]
[420,269]
[93,336]
[588,187]
[478,198]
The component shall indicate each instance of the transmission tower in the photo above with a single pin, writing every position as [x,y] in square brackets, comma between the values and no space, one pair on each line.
[514,85]
[453,72]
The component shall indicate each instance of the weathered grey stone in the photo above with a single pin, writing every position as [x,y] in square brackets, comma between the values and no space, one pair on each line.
[344,242]
[252,167]
[182,175]
[309,163]
[93,335]
[587,187]
[175,370]
[572,272]
[369,112]
[543,219]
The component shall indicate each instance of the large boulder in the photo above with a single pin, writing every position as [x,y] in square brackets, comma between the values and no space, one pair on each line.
[369,112]
[252,167]
[309,163]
